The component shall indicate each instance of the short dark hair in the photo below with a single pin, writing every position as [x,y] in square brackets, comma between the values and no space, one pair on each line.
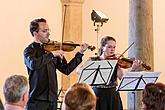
[154,96]
[35,24]
[104,41]
[14,88]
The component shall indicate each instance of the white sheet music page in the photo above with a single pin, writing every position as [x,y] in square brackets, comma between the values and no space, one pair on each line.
[137,80]
[148,77]
[97,72]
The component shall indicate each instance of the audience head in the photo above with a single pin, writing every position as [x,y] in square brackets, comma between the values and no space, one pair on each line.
[79,97]
[154,96]
[15,90]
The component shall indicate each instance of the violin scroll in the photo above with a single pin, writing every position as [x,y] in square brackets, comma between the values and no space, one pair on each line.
[91,48]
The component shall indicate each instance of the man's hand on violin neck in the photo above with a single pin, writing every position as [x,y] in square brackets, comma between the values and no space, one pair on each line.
[58,53]
[83,47]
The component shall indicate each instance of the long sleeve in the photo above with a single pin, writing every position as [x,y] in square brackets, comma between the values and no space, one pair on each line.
[67,68]
[33,62]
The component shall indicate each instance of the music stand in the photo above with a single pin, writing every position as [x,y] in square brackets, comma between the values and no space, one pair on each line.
[60,97]
[136,81]
[97,72]
[133,81]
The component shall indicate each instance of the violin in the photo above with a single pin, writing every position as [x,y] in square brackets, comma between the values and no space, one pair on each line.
[67,46]
[126,62]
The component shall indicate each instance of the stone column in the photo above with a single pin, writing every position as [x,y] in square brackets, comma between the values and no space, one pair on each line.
[72,32]
[140,32]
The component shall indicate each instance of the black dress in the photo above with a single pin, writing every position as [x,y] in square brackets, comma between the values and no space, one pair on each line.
[107,96]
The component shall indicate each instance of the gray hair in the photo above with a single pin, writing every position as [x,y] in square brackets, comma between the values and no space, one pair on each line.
[14,88]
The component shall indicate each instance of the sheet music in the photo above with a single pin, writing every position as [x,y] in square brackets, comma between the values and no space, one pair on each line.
[132,74]
[148,77]
[100,71]
[131,79]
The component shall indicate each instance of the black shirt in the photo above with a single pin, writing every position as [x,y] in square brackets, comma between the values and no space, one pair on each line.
[42,67]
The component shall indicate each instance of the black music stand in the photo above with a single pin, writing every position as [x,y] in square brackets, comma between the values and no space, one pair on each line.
[60,97]
[97,72]
[134,81]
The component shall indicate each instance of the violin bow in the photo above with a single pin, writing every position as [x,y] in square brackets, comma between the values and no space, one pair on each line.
[126,49]
[63,27]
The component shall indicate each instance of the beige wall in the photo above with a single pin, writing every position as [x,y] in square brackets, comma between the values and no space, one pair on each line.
[159,39]
[16,15]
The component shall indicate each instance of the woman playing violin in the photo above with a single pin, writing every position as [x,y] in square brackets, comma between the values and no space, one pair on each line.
[108,97]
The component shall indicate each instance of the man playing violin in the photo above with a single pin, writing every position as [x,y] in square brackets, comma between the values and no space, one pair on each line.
[108,97]
[41,67]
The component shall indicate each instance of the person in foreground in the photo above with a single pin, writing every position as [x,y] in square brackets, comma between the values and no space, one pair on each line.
[42,66]
[108,97]
[15,90]
[79,97]
[154,96]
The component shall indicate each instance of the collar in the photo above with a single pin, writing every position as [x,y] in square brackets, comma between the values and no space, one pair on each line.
[102,56]
[36,44]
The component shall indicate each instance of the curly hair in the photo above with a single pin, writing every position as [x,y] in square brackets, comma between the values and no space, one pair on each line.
[154,96]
